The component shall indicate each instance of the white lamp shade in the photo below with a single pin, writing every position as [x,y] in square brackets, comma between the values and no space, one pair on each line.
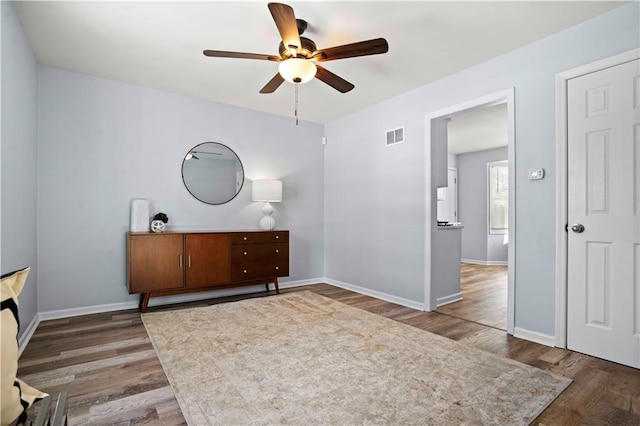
[297,70]
[267,190]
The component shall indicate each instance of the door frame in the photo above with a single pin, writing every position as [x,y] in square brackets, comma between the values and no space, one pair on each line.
[562,166]
[505,96]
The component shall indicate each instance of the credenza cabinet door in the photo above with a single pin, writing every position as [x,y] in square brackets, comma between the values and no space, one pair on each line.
[155,262]
[208,259]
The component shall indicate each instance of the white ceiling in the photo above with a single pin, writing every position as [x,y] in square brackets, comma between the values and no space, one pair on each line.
[160,44]
[478,129]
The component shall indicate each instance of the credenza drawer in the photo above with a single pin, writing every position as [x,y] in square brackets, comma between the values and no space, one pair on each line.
[259,252]
[252,271]
[260,237]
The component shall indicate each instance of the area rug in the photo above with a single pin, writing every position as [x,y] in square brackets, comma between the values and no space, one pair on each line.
[301,358]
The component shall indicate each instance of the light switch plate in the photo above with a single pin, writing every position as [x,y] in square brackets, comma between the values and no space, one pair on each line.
[535,174]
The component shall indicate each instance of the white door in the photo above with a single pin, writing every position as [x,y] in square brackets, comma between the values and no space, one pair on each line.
[448,198]
[603,294]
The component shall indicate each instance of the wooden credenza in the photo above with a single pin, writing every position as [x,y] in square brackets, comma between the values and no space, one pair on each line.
[173,263]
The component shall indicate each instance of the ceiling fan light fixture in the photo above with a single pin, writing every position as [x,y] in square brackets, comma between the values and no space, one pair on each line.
[297,70]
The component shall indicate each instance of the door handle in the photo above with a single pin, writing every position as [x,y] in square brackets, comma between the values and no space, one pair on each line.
[578,228]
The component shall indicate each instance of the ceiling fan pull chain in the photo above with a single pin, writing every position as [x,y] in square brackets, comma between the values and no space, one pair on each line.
[296,107]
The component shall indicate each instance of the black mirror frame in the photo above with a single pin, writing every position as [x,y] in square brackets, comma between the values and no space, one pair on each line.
[192,194]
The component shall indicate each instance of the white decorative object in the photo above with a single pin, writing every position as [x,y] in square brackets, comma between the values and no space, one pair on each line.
[157,226]
[269,191]
[139,215]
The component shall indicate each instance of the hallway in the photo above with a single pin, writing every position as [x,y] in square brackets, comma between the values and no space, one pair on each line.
[484,295]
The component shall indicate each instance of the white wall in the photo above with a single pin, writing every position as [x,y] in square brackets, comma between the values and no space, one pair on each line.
[477,244]
[375,196]
[19,159]
[102,143]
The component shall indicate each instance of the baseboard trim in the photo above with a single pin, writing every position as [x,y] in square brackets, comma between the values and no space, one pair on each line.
[534,336]
[455,297]
[377,294]
[86,310]
[300,283]
[28,333]
[164,300]
[167,300]
[155,301]
[484,262]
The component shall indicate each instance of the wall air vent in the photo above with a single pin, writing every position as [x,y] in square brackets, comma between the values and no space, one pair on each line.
[395,136]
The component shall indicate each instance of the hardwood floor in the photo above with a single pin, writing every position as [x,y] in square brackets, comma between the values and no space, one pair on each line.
[484,295]
[108,366]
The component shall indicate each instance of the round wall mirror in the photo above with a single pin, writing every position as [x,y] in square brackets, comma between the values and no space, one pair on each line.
[212,173]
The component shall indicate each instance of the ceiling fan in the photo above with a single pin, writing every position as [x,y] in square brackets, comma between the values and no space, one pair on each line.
[299,56]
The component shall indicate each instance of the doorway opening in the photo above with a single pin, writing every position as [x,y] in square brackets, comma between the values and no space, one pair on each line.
[477,138]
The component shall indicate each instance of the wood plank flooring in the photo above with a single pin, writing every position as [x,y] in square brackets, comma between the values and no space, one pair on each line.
[484,295]
[107,364]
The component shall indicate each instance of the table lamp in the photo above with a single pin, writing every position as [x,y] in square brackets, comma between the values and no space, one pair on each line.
[269,191]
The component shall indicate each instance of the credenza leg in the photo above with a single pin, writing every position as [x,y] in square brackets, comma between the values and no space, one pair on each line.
[276,284]
[144,302]
[267,286]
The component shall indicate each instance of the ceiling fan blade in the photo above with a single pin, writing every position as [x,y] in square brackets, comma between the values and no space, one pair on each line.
[362,48]
[285,20]
[273,84]
[241,55]
[338,83]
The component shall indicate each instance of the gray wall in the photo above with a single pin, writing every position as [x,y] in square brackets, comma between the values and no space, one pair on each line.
[102,143]
[375,196]
[19,159]
[452,160]
[477,244]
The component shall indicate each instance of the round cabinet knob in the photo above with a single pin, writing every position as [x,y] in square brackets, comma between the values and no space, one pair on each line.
[277,251]
[244,238]
[578,228]
[277,236]
[245,253]
[245,271]
[277,267]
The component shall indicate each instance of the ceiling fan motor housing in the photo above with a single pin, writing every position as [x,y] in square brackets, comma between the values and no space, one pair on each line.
[306,50]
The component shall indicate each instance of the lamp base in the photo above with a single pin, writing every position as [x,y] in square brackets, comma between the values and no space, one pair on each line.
[267,223]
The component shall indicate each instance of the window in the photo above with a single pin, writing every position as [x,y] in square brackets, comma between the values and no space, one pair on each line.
[498,197]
